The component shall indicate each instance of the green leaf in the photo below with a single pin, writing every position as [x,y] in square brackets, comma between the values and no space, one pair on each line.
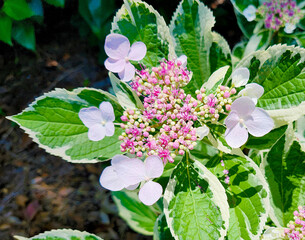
[195,203]
[52,121]
[161,230]
[247,194]
[284,169]
[281,71]
[97,14]
[56,3]
[126,96]
[138,21]
[24,34]
[139,217]
[6,29]
[17,9]
[36,6]
[206,50]
[266,141]
[62,234]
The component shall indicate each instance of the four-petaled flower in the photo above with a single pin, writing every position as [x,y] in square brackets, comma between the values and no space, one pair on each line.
[98,120]
[243,118]
[128,173]
[250,13]
[118,49]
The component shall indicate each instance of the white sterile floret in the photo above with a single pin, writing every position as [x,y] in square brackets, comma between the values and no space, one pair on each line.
[98,120]
[289,28]
[183,60]
[243,118]
[240,77]
[128,173]
[250,13]
[202,132]
[252,90]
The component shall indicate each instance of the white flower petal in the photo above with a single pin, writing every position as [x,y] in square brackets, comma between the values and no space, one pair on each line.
[117,46]
[96,132]
[289,28]
[114,65]
[183,60]
[259,123]
[153,166]
[90,116]
[150,193]
[243,106]
[132,187]
[252,90]
[250,13]
[236,136]
[109,126]
[240,77]
[110,180]
[137,51]
[107,111]
[202,132]
[128,73]
[130,170]
[232,119]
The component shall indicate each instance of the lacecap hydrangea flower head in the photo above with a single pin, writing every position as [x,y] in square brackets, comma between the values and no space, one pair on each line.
[276,14]
[172,121]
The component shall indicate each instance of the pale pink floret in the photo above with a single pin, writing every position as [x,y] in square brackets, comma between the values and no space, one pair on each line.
[128,173]
[243,118]
[118,49]
[98,120]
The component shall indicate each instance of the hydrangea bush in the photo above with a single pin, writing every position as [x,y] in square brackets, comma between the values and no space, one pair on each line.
[200,148]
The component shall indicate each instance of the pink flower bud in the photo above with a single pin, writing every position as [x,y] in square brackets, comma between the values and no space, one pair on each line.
[181,152]
[139,154]
[222,88]
[226,94]
[233,91]
[124,118]
[228,107]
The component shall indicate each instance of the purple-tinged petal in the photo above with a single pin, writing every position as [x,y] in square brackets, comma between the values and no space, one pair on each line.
[110,180]
[243,106]
[109,126]
[240,77]
[132,187]
[128,73]
[117,46]
[114,65]
[96,132]
[150,193]
[183,60]
[107,111]
[236,136]
[130,170]
[252,90]
[232,120]
[153,166]
[137,51]
[90,116]
[259,123]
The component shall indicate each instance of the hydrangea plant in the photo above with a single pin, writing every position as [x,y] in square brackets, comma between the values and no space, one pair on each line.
[199,148]
[269,22]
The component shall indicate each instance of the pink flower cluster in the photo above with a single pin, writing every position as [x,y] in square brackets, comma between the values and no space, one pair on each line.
[225,172]
[211,105]
[165,127]
[296,229]
[278,13]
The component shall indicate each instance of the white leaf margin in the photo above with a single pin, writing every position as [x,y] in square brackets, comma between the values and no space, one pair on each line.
[219,198]
[163,30]
[62,94]
[280,116]
[64,233]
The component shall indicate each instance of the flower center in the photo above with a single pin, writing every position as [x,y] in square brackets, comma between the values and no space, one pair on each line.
[241,121]
[103,122]
[126,59]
